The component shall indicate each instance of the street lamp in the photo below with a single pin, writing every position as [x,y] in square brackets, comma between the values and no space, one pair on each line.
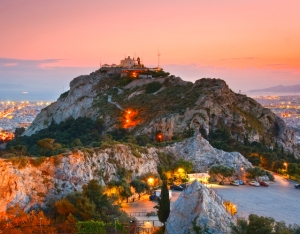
[150,182]
[285,164]
[41,225]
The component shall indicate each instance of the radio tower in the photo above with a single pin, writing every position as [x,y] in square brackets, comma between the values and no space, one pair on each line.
[158,55]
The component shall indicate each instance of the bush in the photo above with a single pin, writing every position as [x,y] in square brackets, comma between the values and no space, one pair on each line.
[38,161]
[153,87]
[105,145]
[21,162]
[143,140]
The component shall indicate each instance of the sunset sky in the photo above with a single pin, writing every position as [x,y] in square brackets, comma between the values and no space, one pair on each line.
[249,44]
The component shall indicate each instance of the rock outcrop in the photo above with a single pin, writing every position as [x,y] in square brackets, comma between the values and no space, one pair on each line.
[204,156]
[179,106]
[198,206]
[59,175]
[77,102]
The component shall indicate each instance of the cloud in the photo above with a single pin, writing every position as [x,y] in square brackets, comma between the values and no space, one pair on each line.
[12,62]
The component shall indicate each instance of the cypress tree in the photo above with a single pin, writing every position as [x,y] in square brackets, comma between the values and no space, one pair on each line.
[163,206]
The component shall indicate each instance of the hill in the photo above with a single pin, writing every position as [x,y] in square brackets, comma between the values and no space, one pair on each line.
[167,107]
[279,89]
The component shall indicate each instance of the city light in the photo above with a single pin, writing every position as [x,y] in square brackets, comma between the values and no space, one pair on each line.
[17,114]
[131,118]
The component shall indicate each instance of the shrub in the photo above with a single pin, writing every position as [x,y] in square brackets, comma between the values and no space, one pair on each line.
[37,161]
[105,145]
[20,161]
[56,160]
[136,153]
[142,140]
[153,87]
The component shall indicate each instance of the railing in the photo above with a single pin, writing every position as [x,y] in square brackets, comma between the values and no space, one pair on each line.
[138,214]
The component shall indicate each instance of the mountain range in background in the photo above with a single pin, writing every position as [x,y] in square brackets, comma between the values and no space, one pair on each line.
[279,89]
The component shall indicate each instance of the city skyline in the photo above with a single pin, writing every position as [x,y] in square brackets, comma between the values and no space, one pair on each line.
[250,45]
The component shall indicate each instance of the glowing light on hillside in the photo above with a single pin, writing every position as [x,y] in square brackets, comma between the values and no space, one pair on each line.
[131,119]
[180,170]
[159,137]
[150,180]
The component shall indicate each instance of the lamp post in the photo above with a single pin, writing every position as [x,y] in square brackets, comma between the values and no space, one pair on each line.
[285,164]
[150,182]
[242,172]
[41,225]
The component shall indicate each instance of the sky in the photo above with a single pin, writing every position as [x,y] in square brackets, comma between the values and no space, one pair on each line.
[45,44]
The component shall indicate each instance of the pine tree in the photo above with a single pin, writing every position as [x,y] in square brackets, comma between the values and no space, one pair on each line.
[163,207]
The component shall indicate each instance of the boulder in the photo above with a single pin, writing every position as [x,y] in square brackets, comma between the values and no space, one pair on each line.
[199,206]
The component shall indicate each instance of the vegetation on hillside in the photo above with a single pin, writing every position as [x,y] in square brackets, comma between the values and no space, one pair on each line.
[258,153]
[265,225]
[71,214]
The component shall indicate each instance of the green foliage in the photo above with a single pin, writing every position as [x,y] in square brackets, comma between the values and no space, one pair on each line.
[142,140]
[125,81]
[240,227]
[186,165]
[222,172]
[37,161]
[21,162]
[197,229]
[122,188]
[258,153]
[139,186]
[57,137]
[253,173]
[153,87]
[166,162]
[19,131]
[160,230]
[90,204]
[293,169]
[262,225]
[163,206]
[86,227]
[64,95]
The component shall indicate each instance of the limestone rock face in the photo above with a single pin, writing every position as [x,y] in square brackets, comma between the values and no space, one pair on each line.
[213,106]
[202,206]
[217,106]
[62,174]
[203,155]
[76,103]
[59,175]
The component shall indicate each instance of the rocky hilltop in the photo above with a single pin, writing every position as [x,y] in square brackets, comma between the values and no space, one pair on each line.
[59,175]
[177,108]
[199,206]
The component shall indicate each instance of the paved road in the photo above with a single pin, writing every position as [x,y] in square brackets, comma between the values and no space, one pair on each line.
[144,205]
[280,200]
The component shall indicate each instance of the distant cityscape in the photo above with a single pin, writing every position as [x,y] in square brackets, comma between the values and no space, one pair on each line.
[17,114]
[21,114]
[286,107]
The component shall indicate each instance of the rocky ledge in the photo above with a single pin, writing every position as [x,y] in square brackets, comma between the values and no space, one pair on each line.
[198,206]
[203,155]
